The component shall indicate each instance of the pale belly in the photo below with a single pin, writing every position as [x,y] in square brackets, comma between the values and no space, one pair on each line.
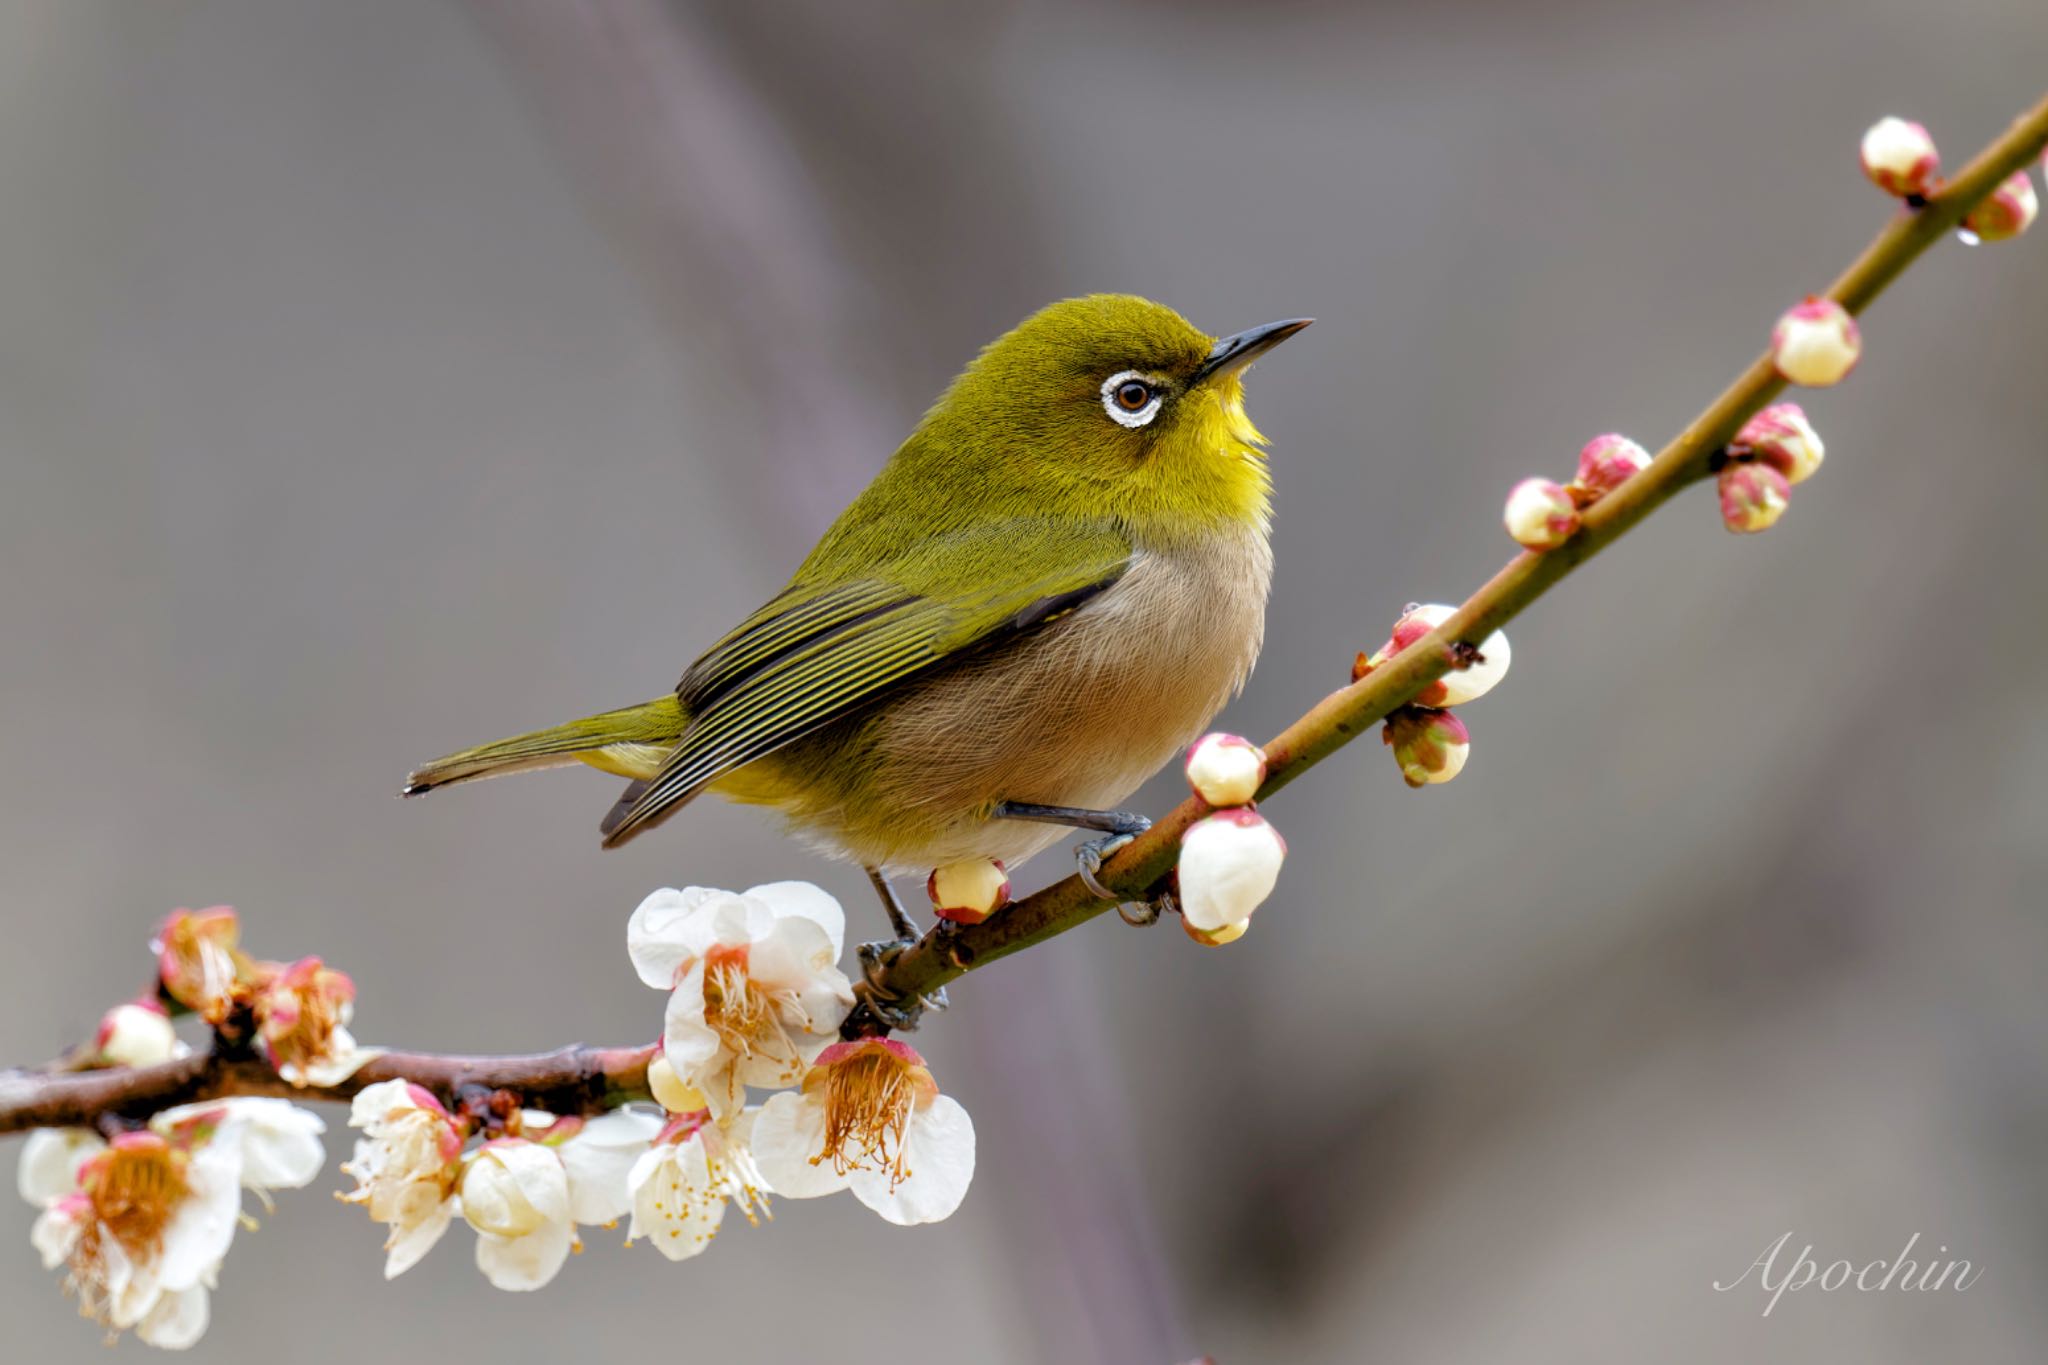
[1079,713]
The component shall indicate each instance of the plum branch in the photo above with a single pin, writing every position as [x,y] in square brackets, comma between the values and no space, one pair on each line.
[1138,870]
[583,1080]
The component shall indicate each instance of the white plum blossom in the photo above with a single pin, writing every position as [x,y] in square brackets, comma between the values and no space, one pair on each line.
[754,987]
[515,1193]
[681,1185]
[869,1118]
[143,1222]
[405,1167]
[524,1196]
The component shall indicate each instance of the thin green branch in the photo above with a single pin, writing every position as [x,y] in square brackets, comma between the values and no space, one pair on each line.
[950,951]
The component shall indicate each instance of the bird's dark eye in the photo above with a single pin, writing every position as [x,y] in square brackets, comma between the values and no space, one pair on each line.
[1133,394]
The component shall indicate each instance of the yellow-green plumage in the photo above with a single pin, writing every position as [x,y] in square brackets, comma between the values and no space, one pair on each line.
[1035,600]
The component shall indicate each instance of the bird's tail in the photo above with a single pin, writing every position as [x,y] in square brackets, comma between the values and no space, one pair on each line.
[630,742]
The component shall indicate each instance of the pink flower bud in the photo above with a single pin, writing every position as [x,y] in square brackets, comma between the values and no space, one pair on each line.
[1753,496]
[969,891]
[1229,862]
[198,961]
[2006,212]
[1605,463]
[1782,438]
[1540,514]
[1430,745]
[1899,157]
[1816,343]
[1460,685]
[1216,938]
[1226,770]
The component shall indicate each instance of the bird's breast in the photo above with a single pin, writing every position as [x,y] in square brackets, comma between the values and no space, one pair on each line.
[1077,713]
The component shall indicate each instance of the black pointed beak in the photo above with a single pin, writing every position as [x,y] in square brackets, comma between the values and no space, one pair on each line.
[1240,349]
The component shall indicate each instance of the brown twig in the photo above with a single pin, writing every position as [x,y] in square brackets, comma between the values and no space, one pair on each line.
[571,1080]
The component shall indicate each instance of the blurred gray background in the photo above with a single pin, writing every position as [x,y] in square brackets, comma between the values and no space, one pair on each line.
[383,377]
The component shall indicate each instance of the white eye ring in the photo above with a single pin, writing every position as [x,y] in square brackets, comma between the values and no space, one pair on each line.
[1122,415]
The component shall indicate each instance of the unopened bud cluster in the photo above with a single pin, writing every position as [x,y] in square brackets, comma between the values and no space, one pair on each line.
[1229,859]
[1900,158]
[1428,742]
[297,1012]
[1774,450]
[1543,514]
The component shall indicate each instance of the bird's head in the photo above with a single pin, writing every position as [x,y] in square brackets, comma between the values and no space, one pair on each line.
[1119,405]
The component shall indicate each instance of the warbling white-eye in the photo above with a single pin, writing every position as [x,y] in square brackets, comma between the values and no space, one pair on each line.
[1042,597]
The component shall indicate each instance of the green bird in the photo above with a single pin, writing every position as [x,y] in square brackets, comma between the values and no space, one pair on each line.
[1043,597]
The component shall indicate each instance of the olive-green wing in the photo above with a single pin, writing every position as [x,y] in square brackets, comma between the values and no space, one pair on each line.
[816,653]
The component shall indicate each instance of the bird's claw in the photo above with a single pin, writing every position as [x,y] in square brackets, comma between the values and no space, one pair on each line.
[898,1013]
[1088,862]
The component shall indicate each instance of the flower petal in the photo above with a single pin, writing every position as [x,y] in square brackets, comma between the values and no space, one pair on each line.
[50,1158]
[409,1243]
[177,1321]
[521,1263]
[939,1161]
[202,1228]
[788,1132]
[600,1157]
[55,1233]
[280,1142]
[686,1040]
[802,900]
[666,931]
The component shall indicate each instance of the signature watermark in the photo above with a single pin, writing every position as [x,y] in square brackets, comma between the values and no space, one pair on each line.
[1902,1273]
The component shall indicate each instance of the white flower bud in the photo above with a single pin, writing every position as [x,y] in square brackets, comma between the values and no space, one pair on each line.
[1460,685]
[137,1034]
[513,1188]
[2006,212]
[969,891]
[1782,438]
[1816,343]
[1900,158]
[670,1090]
[1226,770]
[1540,514]
[1229,862]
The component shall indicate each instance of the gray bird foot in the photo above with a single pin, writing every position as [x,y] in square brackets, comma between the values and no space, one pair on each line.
[897,1013]
[1088,862]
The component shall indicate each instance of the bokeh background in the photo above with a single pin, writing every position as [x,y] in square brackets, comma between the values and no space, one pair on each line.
[380,377]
